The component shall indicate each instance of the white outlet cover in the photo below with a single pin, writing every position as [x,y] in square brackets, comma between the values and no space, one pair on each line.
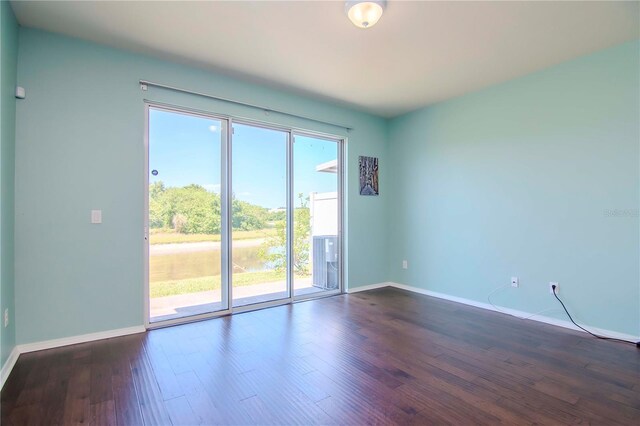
[515,282]
[405,264]
[551,284]
[96,216]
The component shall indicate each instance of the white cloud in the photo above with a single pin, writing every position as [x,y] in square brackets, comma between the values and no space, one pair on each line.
[213,128]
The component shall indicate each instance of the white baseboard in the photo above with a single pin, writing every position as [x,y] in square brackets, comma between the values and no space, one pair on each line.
[369,287]
[73,340]
[517,313]
[8,365]
[55,343]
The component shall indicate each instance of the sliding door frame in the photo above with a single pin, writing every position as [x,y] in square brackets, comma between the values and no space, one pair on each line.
[340,190]
[226,213]
[224,225]
[284,300]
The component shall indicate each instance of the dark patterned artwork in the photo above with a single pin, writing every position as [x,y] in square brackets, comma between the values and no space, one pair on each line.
[368,175]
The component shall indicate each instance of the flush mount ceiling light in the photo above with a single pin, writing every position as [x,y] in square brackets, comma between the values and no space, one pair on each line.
[365,13]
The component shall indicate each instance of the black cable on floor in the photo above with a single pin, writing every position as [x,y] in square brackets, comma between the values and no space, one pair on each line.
[584,329]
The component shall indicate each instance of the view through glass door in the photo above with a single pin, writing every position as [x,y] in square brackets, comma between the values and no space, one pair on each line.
[258,214]
[185,215]
[316,217]
[240,220]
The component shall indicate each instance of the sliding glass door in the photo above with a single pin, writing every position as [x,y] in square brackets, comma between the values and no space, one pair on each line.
[258,214]
[185,214]
[316,217]
[238,219]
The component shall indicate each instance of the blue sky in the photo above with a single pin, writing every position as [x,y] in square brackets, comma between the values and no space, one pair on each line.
[185,149]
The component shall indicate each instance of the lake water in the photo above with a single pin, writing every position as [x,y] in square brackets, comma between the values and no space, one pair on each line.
[178,266]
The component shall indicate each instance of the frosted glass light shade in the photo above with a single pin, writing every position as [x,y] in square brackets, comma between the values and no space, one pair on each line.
[365,14]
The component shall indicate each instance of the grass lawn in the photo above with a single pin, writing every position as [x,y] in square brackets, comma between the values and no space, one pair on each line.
[195,285]
[168,237]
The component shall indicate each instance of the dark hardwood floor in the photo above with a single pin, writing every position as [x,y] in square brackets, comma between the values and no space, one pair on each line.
[384,356]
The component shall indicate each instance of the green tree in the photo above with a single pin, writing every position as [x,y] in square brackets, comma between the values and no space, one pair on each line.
[277,215]
[247,217]
[273,250]
[200,207]
[194,210]
[156,193]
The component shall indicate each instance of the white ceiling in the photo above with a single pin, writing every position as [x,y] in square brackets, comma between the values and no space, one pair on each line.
[420,52]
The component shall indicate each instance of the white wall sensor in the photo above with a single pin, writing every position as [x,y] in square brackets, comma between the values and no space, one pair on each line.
[20,93]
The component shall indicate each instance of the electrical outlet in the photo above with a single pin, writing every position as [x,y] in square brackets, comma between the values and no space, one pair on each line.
[405,264]
[96,216]
[551,284]
[515,282]
[6,317]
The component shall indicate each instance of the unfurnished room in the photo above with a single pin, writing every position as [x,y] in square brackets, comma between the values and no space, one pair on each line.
[319,212]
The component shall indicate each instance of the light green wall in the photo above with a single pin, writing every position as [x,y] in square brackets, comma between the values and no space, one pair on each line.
[516,180]
[8,71]
[80,147]
[512,180]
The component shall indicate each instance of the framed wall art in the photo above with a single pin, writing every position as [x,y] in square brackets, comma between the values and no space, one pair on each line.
[368,175]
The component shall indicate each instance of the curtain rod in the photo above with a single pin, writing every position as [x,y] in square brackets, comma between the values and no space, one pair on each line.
[145,83]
